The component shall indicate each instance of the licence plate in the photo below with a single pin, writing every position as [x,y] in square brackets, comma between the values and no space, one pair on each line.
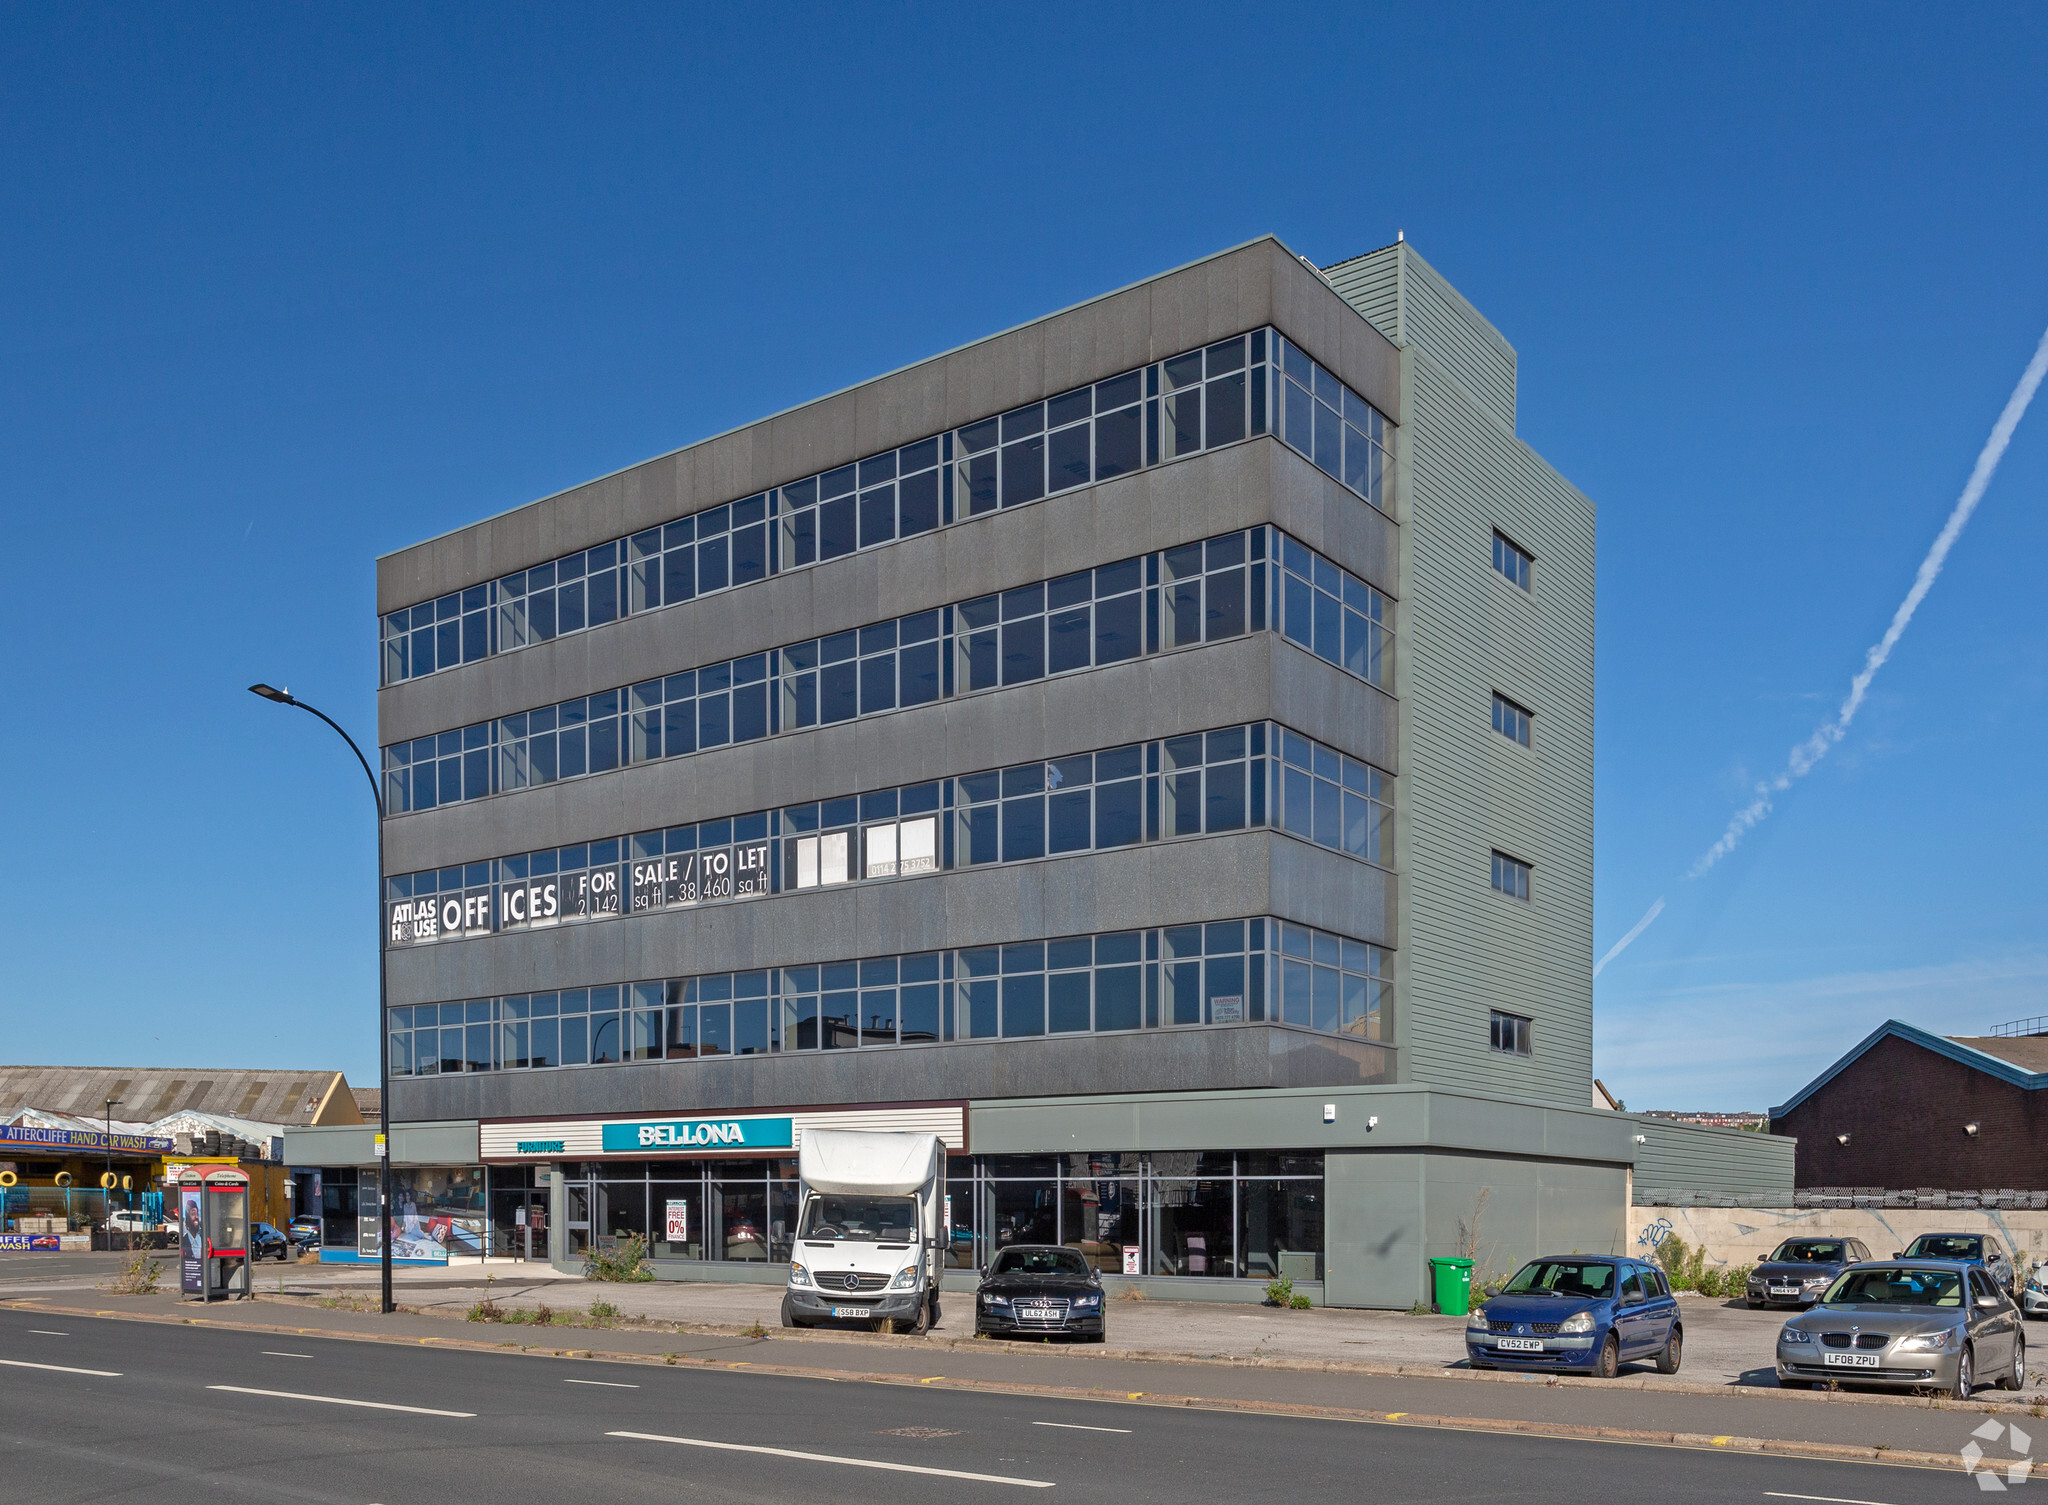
[1520,1345]
[850,1311]
[1039,1313]
[1852,1360]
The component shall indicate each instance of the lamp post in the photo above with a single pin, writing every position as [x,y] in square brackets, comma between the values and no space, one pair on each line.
[107,1185]
[285,697]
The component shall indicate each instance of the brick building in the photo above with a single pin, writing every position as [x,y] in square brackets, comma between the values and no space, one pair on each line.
[1906,1109]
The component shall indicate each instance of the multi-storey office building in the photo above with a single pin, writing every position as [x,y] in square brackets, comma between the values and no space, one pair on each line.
[1151,747]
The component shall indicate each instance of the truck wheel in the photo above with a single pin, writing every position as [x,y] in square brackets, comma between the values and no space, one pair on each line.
[923,1322]
[787,1319]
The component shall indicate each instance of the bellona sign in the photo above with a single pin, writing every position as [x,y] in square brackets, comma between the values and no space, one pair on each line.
[700,1134]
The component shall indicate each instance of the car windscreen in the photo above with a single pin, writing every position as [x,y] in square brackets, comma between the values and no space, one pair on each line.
[1808,1251]
[861,1219]
[1896,1286]
[1561,1277]
[1039,1262]
[1946,1246]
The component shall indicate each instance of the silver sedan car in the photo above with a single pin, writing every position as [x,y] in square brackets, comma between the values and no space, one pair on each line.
[1907,1324]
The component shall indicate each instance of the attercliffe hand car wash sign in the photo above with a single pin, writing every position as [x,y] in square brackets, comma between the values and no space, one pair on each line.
[700,1134]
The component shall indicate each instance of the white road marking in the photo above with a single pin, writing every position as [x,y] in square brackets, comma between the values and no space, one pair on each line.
[273,1353]
[340,1400]
[1772,1494]
[1075,1426]
[109,1374]
[894,1468]
[608,1384]
[44,1332]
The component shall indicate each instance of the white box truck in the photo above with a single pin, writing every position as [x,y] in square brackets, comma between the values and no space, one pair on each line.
[870,1231]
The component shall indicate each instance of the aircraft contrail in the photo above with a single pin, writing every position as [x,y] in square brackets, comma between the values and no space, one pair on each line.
[1622,945]
[1807,754]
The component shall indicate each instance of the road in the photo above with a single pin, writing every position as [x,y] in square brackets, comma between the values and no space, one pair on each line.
[104,1410]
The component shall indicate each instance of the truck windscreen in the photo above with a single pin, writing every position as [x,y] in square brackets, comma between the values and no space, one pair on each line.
[861,1219]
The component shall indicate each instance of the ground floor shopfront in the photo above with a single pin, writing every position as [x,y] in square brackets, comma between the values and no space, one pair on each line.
[1346,1191]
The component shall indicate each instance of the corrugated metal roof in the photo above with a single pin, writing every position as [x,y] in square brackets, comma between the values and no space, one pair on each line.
[148,1093]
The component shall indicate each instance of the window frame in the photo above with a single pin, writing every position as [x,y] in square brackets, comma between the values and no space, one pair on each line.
[1520,1030]
[1513,563]
[1514,721]
[1513,878]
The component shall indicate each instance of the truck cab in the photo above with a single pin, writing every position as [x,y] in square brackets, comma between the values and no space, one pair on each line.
[870,1228]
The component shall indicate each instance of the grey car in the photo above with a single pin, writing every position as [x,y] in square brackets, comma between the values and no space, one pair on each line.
[1907,1324]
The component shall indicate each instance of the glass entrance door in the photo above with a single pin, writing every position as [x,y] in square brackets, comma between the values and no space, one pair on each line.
[577,1225]
[518,1223]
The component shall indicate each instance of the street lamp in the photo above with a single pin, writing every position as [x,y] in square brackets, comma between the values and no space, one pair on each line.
[107,1186]
[285,697]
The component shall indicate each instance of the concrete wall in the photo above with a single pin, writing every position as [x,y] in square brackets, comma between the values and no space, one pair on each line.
[417,1142]
[1252,1056]
[1257,283]
[1260,480]
[1744,1235]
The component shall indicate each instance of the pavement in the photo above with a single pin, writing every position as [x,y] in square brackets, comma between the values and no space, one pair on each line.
[1726,1343]
[154,1406]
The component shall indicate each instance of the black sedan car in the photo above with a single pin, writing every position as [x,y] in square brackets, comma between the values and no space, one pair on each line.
[265,1242]
[1800,1269]
[1039,1289]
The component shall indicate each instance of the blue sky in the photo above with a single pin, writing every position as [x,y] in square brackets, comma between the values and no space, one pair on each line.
[289,287]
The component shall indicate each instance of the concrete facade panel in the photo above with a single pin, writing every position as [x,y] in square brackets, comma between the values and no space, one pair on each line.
[1182,882]
[1256,1056]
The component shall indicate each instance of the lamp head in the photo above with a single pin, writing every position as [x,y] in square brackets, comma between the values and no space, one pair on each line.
[282,697]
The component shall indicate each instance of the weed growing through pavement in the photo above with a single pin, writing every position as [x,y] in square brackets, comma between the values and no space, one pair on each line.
[627,1261]
[1280,1292]
[138,1276]
[487,1310]
[603,1314]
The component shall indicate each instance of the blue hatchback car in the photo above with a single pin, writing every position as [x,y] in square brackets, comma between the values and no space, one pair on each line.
[1590,1315]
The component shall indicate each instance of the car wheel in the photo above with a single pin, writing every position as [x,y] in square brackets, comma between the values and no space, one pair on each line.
[2016,1378]
[1609,1363]
[1667,1361]
[1966,1376]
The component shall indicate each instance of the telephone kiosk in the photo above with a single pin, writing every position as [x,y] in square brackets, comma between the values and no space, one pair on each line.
[213,1236]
